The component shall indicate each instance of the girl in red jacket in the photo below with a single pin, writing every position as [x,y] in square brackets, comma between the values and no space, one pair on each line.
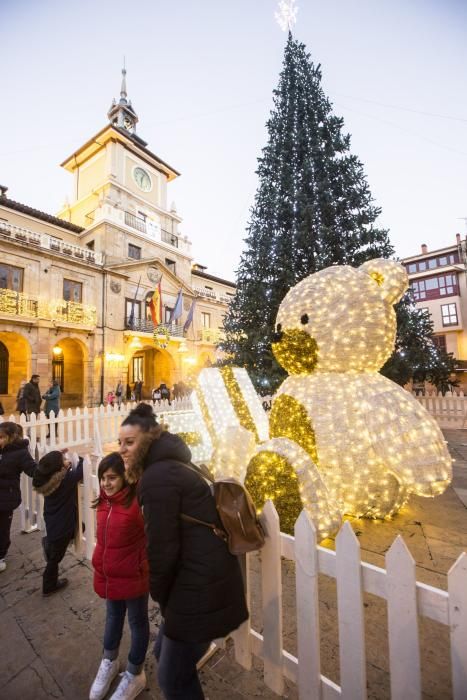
[121,577]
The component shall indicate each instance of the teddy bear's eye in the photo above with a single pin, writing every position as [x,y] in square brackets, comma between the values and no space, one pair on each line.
[304,319]
[279,327]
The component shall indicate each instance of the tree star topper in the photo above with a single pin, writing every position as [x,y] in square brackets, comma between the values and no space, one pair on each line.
[286,16]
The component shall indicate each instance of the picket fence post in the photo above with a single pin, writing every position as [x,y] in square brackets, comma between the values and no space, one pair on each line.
[457,589]
[271,584]
[89,513]
[350,615]
[308,636]
[241,636]
[404,645]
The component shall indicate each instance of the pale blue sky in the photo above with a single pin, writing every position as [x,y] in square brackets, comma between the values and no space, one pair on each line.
[201,75]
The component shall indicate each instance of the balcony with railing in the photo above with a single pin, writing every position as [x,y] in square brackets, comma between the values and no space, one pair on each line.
[213,336]
[170,238]
[135,222]
[145,325]
[203,292]
[43,241]
[27,306]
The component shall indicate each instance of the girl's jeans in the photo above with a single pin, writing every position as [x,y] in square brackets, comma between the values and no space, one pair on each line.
[139,628]
[177,674]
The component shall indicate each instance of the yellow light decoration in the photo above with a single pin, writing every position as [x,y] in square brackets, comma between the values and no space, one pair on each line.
[371,442]
[239,405]
[192,438]
[357,443]
[114,357]
[57,350]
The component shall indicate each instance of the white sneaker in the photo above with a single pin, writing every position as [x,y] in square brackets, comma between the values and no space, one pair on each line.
[130,686]
[105,675]
[2,564]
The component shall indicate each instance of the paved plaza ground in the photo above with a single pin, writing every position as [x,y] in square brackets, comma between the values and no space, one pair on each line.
[50,648]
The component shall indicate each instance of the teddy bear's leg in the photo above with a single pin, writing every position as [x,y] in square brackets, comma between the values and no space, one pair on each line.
[387,497]
[283,472]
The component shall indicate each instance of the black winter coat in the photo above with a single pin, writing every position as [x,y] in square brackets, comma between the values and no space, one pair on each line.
[60,500]
[192,575]
[14,459]
[32,396]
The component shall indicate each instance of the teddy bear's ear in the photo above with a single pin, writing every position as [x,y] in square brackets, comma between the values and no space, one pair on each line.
[389,275]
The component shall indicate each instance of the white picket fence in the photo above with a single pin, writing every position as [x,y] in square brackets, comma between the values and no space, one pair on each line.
[406,599]
[450,410]
[89,430]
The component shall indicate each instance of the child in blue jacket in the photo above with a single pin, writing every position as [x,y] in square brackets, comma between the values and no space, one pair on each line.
[56,478]
[14,459]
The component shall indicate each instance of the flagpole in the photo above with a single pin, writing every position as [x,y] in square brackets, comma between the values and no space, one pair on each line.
[132,312]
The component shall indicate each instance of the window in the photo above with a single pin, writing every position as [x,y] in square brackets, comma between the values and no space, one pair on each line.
[137,368]
[170,264]
[435,287]
[412,268]
[167,313]
[90,245]
[11,278]
[432,263]
[205,319]
[4,362]
[134,251]
[132,312]
[440,341]
[443,261]
[422,266]
[72,291]
[449,314]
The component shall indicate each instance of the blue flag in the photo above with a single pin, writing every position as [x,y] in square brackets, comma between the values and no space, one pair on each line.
[177,309]
[189,318]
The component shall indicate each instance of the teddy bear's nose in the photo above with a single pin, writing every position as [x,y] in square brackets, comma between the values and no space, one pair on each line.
[278,334]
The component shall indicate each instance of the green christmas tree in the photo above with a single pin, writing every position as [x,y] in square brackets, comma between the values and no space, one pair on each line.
[313,208]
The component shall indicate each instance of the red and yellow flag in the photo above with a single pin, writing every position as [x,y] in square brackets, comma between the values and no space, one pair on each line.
[155,306]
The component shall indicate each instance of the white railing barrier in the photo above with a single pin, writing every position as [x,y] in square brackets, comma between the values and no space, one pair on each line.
[406,599]
[450,410]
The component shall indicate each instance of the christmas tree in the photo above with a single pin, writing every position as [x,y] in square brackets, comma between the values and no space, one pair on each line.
[313,208]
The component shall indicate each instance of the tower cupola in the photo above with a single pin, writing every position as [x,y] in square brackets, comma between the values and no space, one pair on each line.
[121,113]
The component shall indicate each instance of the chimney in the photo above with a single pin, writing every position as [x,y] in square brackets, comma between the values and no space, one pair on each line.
[424,249]
[458,238]
[3,190]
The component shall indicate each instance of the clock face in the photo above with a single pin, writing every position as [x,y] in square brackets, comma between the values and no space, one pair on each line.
[142,179]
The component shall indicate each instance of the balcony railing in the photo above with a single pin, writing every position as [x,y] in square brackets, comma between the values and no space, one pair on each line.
[208,293]
[169,238]
[43,240]
[26,306]
[145,325]
[210,335]
[19,304]
[73,312]
[135,222]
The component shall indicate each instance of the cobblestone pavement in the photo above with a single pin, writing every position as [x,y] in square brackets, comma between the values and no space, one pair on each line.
[50,648]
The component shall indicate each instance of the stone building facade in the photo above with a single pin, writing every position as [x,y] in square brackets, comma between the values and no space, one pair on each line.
[438,279]
[75,288]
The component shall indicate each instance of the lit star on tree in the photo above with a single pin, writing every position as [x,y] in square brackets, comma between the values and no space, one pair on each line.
[286,16]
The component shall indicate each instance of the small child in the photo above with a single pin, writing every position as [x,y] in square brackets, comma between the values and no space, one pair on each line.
[56,478]
[121,576]
[14,459]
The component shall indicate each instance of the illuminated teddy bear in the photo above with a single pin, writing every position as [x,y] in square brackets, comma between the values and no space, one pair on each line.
[343,438]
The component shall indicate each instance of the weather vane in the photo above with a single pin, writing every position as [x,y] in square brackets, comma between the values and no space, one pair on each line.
[286,15]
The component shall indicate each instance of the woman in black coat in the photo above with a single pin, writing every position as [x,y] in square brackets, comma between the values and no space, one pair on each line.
[193,576]
[14,459]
